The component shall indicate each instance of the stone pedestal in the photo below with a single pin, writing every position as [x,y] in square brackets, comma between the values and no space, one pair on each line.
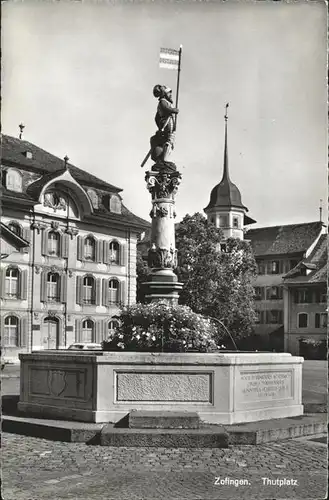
[162,183]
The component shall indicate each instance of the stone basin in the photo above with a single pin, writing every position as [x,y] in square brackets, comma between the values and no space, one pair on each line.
[222,387]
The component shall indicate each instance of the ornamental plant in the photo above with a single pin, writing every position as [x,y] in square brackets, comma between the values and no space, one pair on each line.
[158,326]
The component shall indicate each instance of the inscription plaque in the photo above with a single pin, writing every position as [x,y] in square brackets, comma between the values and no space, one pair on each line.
[269,385]
[166,387]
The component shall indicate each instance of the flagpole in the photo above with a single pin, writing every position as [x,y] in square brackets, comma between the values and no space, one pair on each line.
[178,79]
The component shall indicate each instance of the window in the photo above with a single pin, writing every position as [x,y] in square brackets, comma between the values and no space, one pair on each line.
[223,221]
[303,296]
[258,293]
[89,248]
[115,204]
[275,293]
[87,331]
[302,320]
[53,243]
[53,287]
[261,267]
[321,320]
[12,283]
[113,292]
[88,290]
[236,222]
[114,252]
[275,267]
[10,338]
[15,228]
[14,181]
[112,325]
[275,316]
[258,316]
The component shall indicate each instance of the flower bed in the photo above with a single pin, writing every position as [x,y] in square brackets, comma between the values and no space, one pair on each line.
[160,327]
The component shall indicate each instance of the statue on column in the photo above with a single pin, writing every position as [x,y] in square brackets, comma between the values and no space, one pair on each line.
[162,143]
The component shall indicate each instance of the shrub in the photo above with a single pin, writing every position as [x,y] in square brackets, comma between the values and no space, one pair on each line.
[162,327]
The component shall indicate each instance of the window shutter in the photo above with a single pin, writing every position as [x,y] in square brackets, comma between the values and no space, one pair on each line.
[105,328]
[281,266]
[268,293]
[261,320]
[80,241]
[63,285]
[105,292]
[98,292]
[106,252]
[27,236]
[280,292]
[64,246]
[44,242]
[262,292]
[267,317]
[99,331]
[99,250]
[317,320]
[122,254]
[43,286]
[309,296]
[78,328]
[122,292]
[2,282]
[280,319]
[23,285]
[79,290]
[268,267]
[23,332]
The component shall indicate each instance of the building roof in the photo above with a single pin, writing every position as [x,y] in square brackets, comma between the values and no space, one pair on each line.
[287,239]
[13,152]
[50,167]
[315,263]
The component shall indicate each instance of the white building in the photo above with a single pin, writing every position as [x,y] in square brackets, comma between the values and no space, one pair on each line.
[80,265]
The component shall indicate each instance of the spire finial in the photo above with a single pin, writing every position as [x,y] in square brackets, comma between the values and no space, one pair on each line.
[21,127]
[226,108]
[225,170]
[320,210]
[66,159]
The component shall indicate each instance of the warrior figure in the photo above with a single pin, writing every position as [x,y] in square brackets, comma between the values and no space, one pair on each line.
[163,141]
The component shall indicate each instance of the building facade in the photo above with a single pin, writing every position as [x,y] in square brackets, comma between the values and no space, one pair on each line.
[80,265]
[278,251]
[305,299]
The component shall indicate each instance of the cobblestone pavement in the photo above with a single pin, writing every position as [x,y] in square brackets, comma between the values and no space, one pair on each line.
[37,469]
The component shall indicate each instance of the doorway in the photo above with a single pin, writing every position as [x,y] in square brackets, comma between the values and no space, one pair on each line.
[50,333]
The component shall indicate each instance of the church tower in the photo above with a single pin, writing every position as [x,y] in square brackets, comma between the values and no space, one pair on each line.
[225,208]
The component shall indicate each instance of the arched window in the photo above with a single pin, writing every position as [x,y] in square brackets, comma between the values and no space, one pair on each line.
[53,287]
[111,327]
[302,320]
[14,181]
[10,338]
[115,204]
[15,228]
[88,296]
[113,291]
[89,248]
[87,331]
[12,283]
[53,243]
[114,252]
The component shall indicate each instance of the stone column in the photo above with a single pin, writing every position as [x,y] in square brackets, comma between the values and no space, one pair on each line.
[162,256]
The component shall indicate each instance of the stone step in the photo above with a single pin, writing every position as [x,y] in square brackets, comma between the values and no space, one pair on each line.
[143,419]
[163,438]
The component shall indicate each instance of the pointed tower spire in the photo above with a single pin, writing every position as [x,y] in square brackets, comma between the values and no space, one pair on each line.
[226,175]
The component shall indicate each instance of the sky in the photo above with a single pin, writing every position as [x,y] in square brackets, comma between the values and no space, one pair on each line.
[80,76]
